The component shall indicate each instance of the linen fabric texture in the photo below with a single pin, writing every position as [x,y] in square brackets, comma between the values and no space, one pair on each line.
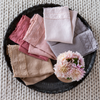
[29,69]
[18,34]
[59,24]
[83,43]
[79,27]
[35,37]
[20,30]
[24,50]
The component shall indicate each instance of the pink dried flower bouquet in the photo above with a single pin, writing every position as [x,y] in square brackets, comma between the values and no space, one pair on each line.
[70,66]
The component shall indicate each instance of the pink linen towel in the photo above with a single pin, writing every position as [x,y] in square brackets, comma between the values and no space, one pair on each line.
[35,37]
[73,18]
[29,69]
[18,34]
[59,24]
[20,30]
[33,55]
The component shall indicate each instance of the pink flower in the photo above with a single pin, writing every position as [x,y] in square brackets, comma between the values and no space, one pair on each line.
[76,74]
[61,57]
[61,71]
[70,65]
[81,59]
[69,54]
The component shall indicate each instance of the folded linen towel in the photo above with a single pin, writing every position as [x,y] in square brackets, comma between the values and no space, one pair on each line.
[27,67]
[18,34]
[59,24]
[79,27]
[35,37]
[24,50]
[20,30]
[83,43]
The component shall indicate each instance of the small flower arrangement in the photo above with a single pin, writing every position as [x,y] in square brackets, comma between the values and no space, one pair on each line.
[70,66]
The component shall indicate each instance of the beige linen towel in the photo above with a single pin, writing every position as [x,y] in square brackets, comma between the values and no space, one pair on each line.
[30,69]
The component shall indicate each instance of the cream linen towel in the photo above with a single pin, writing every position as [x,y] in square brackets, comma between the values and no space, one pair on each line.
[59,24]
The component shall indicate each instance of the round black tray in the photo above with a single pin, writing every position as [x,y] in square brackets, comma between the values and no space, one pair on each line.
[51,84]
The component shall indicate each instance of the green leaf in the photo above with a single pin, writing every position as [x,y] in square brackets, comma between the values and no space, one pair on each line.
[75,60]
[69,78]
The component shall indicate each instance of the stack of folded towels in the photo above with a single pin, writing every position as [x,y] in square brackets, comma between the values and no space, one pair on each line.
[41,39]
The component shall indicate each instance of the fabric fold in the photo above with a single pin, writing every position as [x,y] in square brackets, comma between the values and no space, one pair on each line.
[35,30]
[79,27]
[35,37]
[24,50]
[18,34]
[20,30]
[73,18]
[83,43]
[27,67]
[59,24]
[31,81]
